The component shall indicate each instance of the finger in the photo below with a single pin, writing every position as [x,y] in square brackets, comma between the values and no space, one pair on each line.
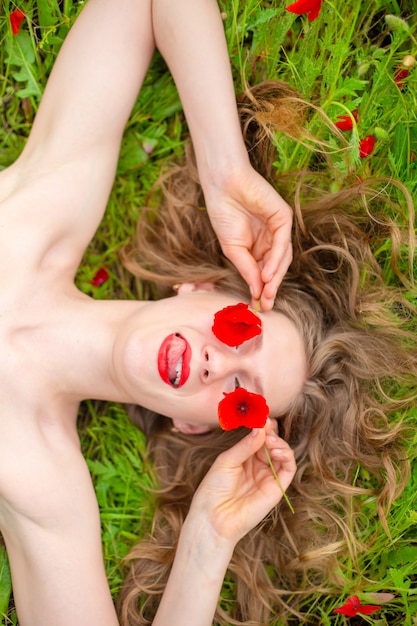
[271,426]
[283,265]
[283,460]
[243,450]
[272,442]
[285,466]
[248,268]
[271,287]
[278,254]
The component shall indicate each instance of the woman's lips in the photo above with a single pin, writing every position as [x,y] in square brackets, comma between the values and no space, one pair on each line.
[174,358]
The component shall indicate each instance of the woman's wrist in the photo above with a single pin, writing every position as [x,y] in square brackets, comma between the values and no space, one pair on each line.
[205,543]
[217,169]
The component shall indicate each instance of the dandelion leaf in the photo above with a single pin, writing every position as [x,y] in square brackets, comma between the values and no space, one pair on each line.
[22,57]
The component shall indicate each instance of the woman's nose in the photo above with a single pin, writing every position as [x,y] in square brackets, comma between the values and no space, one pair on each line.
[218,364]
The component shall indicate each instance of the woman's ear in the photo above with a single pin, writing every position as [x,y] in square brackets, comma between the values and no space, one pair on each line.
[190,287]
[191,429]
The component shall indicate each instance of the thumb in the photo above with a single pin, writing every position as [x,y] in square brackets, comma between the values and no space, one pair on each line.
[243,449]
[246,265]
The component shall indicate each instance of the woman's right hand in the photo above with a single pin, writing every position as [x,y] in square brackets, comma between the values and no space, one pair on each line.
[253,224]
[235,495]
[240,489]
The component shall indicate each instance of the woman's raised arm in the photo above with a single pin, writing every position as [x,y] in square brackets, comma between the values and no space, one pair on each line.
[94,82]
[65,173]
[252,222]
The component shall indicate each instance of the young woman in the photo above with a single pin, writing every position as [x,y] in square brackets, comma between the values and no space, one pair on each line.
[60,347]
[359,339]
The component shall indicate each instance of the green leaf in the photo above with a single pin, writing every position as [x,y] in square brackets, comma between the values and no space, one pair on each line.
[400,147]
[22,55]
[48,13]
[398,579]
[5,581]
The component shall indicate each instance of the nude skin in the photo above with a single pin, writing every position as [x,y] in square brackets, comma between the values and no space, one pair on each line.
[60,346]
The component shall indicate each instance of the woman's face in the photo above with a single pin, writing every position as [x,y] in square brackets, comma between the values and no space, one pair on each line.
[169,360]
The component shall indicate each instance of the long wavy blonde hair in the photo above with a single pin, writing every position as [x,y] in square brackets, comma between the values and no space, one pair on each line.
[360,347]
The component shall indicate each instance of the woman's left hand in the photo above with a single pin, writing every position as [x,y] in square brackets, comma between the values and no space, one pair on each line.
[253,224]
[240,488]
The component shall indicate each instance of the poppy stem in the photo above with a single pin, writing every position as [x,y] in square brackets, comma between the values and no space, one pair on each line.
[286,498]
[258,307]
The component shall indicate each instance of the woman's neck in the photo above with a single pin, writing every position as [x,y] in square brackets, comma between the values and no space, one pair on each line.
[89,336]
[64,346]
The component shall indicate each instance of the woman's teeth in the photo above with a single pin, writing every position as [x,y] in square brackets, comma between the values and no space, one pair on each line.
[178,370]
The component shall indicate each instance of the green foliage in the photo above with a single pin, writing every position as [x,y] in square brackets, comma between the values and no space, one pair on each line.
[115,453]
[5,581]
[344,61]
[21,56]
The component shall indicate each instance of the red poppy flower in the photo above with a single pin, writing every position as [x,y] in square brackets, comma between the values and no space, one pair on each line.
[353,606]
[242,408]
[366,146]
[311,7]
[346,122]
[100,277]
[16,18]
[399,76]
[235,324]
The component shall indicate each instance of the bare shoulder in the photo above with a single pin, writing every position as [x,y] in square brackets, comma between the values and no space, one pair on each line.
[48,214]
[42,470]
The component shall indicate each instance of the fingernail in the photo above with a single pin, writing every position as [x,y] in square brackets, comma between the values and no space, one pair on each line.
[254,432]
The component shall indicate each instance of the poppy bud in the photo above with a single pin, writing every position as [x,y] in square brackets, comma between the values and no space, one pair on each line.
[409,60]
[396,23]
[363,68]
[381,133]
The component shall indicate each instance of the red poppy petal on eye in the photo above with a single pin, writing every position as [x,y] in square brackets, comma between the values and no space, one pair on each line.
[368,609]
[366,146]
[350,608]
[16,18]
[100,277]
[242,408]
[235,324]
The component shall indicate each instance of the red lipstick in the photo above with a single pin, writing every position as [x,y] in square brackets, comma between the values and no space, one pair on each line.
[174,358]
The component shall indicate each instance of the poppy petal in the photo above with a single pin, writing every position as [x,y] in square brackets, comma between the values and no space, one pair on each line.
[366,146]
[242,408]
[314,13]
[311,7]
[235,324]
[100,277]
[16,18]
[350,608]
[345,122]
[368,609]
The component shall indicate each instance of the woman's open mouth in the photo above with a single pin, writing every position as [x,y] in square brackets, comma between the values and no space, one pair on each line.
[174,358]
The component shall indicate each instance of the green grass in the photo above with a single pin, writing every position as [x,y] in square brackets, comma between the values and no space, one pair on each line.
[344,60]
